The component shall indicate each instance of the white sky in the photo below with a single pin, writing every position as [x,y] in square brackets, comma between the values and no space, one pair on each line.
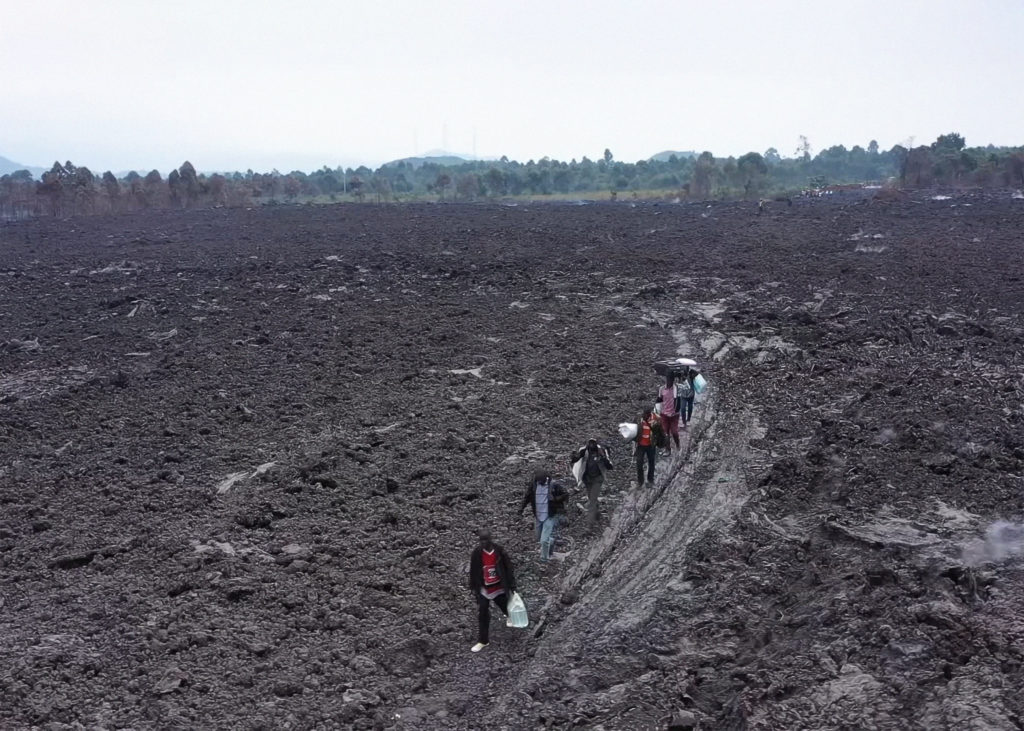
[297,84]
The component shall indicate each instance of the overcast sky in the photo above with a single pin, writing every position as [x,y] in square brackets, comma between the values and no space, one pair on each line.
[233,84]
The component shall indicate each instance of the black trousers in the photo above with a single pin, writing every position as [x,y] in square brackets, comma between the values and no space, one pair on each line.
[643,453]
[484,615]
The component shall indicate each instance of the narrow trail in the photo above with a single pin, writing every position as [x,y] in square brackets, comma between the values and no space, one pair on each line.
[625,580]
[589,630]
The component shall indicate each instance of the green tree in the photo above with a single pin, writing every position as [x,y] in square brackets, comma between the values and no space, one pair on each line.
[112,188]
[189,182]
[468,186]
[704,174]
[381,186]
[953,142]
[948,158]
[442,182]
[753,170]
[495,182]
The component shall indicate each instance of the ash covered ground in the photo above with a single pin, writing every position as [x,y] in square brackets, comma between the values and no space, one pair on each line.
[243,455]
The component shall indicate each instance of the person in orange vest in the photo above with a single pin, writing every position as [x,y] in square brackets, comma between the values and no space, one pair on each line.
[646,440]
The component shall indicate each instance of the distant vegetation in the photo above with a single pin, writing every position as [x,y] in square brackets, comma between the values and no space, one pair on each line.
[67,190]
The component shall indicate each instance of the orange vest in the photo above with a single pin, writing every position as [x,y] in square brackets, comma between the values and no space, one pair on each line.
[644,438]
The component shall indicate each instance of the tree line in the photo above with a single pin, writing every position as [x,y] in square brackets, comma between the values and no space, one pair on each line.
[67,189]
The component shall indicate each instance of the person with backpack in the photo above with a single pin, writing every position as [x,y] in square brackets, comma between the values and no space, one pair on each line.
[547,499]
[590,463]
[491,578]
[648,429]
[669,400]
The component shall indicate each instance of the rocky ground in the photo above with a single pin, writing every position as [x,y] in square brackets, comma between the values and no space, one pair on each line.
[243,454]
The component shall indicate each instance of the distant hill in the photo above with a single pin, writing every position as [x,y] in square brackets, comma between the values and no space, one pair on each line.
[437,157]
[664,156]
[9,166]
[416,162]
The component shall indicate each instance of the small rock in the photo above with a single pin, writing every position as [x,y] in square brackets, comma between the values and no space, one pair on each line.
[172,680]
[361,697]
[286,688]
[73,560]
[363,665]
[237,591]
[569,597]
[683,721]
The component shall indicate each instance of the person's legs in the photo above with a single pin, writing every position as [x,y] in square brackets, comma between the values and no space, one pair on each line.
[689,410]
[483,618]
[640,465]
[673,426]
[666,429]
[650,463]
[502,601]
[546,537]
[593,490]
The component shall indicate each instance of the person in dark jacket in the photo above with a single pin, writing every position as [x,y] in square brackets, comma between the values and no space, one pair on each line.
[590,463]
[547,499]
[490,579]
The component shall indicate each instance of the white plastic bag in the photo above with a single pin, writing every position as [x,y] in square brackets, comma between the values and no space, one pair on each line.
[517,616]
[699,384]
[628,431]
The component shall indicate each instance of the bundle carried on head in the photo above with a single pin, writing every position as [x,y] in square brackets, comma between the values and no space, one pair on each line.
[676,366]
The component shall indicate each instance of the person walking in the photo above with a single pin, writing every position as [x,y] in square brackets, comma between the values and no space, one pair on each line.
[547,499]
[491,578]
[646,446]
[686,392]
[590,464]
[668,398]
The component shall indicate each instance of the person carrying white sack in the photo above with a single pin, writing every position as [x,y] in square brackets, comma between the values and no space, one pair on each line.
[589,465]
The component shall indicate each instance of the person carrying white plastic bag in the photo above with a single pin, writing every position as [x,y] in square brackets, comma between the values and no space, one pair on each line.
[691,384]
[590,463]
[491,578]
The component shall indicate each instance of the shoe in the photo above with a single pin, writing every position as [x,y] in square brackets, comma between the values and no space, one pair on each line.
[478,646]
[650,483]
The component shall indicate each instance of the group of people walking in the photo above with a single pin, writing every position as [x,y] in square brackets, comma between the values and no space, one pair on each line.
[675,406]
[491,576]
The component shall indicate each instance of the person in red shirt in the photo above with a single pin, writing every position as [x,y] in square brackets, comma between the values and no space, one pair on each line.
[646,446]
[490,579]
